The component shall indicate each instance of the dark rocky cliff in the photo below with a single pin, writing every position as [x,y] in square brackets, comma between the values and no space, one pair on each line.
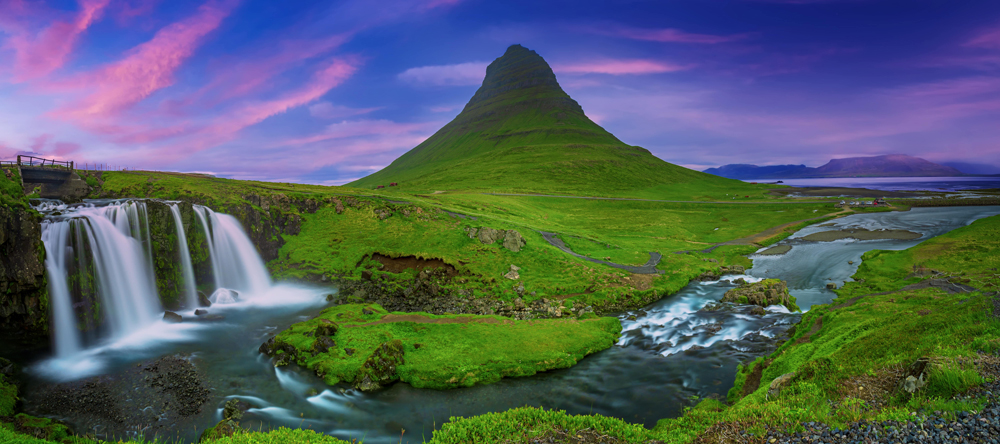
[23,295]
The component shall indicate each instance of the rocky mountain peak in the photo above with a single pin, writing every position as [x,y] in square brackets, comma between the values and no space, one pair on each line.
[518,74]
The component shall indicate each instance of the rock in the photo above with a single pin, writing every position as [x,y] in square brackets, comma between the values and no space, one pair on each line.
[764,293]
[323,344]
[733,269]
[512,275]
[331,297]
[831,285]
[850,262]
[349,351]
[326,328]
[513,241]
[915,376]
[203,300]
[367,311]
[380,368]
[758,311]
[778,384]
[171,317]
[490,235]
[200,312]
[711,328]
[709,276]
[473,232]
[514,268]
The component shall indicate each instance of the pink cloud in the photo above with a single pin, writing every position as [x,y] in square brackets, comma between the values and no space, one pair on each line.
[620,67]
[63,149]
[38,143]
[327,110]
[38,55]
[989,39]
[146,69]
[349,129]
[469,73]
[664,35]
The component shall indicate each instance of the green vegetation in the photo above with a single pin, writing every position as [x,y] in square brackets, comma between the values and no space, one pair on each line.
[534,138]
[522,424]
[443,351]
[11,193]
[852,351]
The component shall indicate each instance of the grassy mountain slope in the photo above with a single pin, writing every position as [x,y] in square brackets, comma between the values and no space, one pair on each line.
[521,132]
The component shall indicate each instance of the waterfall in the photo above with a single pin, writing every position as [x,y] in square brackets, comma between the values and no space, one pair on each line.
[235,262]
[191,294]
[66,335]
[120,255]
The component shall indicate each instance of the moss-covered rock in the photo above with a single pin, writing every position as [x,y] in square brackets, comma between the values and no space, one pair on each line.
[764,293]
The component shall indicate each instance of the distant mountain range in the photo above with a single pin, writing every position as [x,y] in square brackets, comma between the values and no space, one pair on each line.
[892,165]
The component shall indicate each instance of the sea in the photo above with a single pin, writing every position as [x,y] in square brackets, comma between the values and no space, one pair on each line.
[895,183]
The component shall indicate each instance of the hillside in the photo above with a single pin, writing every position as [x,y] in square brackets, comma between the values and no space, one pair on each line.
[892,165]
[521,132]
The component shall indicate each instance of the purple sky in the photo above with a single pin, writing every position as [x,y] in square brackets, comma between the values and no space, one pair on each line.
[327,92]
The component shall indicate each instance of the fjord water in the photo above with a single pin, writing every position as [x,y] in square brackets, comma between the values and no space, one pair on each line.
[669,352]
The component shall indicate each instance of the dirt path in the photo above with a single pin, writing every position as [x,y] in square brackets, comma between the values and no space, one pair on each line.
[648,268]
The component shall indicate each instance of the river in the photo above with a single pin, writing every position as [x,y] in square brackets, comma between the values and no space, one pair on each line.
[670,354]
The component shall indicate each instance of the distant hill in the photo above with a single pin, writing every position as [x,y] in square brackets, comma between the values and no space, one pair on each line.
[521,132]
[973,168]
[892,165]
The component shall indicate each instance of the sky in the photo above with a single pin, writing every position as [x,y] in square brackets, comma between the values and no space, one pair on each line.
[328,92]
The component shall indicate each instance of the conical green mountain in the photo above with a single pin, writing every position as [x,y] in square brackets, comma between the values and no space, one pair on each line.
[521,132]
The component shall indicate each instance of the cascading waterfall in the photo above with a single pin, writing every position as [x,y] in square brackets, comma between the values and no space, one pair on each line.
[187,271]
[122,268]
[235,262]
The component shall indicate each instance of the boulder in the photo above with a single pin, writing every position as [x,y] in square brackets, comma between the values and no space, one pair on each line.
[512,274]
[200,312]
[323,344]
[326,328]
[203,300]
[490,235]
[915,376]
[764,293]
[513,241]
[380,367]
[779,384]
[831,285]
[758,311]
[172,317]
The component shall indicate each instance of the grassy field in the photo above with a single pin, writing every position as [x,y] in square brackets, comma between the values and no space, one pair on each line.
[444,351]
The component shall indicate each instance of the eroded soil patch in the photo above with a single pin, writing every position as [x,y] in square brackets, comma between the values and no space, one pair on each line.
[401,264]
[861,234]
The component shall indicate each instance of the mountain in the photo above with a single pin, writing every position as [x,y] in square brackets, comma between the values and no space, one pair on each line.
[521,132]
[891,165]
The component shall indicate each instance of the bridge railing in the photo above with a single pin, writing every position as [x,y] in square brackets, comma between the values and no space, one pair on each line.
[40,162]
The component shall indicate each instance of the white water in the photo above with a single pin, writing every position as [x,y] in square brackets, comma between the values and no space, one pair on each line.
[117,236]
[235,262]
[190,294]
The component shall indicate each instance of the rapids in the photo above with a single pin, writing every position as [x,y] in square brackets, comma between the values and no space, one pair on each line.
[670,353]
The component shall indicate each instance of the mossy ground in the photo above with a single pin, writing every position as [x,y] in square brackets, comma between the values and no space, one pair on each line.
[447,351]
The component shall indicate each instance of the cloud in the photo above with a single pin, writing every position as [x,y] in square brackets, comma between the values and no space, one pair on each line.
[356,128]
[38,55]
[619,67]
[989,39]
[327,110]
[664,35]
[147,68]
[464,74]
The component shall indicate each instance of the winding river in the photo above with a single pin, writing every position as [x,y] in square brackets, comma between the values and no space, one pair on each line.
[670,353]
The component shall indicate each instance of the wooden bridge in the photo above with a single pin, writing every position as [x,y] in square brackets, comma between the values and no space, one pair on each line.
[50,178]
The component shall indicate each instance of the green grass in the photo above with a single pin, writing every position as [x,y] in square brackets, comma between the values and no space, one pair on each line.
[11,193]
[875,333]
[447,355]
[519,425]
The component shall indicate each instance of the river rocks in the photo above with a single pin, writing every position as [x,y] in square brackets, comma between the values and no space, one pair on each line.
[764,293]
[758,311]
[724,270]
[831,285]
[200,312]
[203,300]
[380,368]
[710,328]
[158,396]
[282,353]
[779,384]
[231,415]
[172,317]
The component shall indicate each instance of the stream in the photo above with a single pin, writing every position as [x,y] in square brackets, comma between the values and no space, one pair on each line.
[671,352]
